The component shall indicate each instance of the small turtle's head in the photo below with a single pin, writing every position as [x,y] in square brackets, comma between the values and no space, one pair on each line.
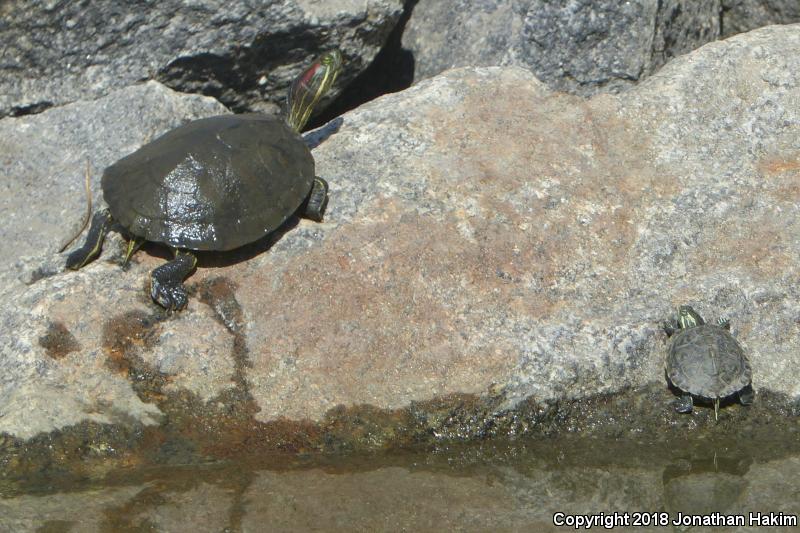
[310,87]
[688,317]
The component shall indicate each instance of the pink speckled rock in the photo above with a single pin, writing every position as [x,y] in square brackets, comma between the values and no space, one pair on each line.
[484,237]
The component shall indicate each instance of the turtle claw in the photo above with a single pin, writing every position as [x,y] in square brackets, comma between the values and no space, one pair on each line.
[724,323]
[684,404]
[170,296]
[746,396]
[134,243]
[166,282]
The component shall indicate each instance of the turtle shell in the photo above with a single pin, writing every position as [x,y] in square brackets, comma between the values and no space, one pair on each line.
[212,184]
[708,362]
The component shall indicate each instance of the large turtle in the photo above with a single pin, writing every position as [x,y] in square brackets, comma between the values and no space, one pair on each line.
[214,184]
[705,361]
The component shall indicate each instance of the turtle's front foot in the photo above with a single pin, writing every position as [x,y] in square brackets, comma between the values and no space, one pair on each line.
[166,282]
[684,404]
[317,200]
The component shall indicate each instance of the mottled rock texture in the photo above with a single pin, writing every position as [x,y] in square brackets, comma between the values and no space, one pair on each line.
[485,238]
[744,15]
[243,53]
[579,46]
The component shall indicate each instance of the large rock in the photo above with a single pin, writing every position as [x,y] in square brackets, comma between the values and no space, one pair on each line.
[43,159]
[243,53]
[492,252]
[744,15]
[580,46]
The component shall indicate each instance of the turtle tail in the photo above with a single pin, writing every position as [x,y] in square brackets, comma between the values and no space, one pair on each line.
[716,409]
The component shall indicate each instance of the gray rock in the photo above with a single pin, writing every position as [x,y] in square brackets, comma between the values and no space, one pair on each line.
[587,46]
[744,15]
[488,243]
[243,53]
[43,159]
[580,46]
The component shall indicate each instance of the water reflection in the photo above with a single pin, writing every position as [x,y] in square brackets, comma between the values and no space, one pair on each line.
[705,485]
[473,488]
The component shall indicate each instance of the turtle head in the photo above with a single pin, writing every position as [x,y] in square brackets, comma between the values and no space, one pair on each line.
[688,317]
[310,87]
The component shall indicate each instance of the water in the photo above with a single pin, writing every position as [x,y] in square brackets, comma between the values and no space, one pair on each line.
[500,486]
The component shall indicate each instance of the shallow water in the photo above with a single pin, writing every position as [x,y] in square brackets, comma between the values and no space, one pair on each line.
[510,486]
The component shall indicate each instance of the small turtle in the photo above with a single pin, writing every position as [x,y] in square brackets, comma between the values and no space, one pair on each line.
[705,361]
[216,183]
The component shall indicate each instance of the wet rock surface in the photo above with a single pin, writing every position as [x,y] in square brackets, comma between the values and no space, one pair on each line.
[496,259]
[581,47]
[245,54]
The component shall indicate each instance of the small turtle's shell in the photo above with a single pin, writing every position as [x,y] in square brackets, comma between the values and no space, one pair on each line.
[213,184]
[708,362]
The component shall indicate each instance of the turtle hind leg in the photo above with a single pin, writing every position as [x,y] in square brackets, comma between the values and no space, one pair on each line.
[166,281]
[684,404]
[746,395]
[91,248]
[317,200]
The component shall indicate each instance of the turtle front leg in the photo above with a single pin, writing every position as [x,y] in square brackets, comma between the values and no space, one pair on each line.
[317,200]
[684,404]
[166,281]
[746,395]
[91,248]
